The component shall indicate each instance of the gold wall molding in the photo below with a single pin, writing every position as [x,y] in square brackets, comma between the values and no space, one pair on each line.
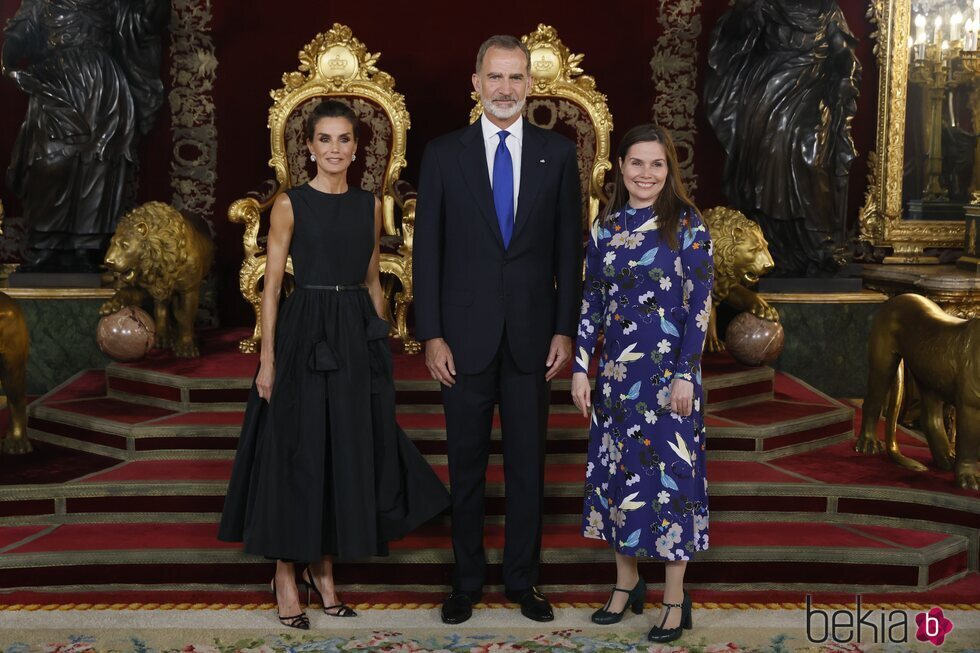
[881,222]
[861,297]
[60,293]
[675,73]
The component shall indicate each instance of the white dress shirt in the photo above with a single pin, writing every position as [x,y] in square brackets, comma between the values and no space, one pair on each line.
[491,140]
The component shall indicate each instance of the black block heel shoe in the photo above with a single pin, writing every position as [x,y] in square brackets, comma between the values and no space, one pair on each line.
[637,597]
[660,634]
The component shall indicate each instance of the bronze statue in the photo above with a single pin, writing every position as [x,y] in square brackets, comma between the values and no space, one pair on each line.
[14,347]
[157,251]
[780,94]
[91,69]
[942,353]
[741,256]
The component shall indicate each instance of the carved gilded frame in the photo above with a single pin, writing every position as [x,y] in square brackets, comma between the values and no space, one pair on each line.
[556,73]
[333,63]
[881,222]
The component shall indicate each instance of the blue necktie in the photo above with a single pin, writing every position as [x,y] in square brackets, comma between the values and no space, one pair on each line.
[503,188]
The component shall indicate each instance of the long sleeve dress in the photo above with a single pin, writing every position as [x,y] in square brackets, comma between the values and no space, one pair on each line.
[646,490]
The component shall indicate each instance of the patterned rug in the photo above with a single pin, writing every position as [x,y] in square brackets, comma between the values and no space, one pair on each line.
[395,642]
[490,631]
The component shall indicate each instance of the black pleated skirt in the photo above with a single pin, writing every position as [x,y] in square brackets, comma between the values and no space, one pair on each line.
[323,468]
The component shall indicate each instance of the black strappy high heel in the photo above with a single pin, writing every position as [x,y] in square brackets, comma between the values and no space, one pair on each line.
[300,621]
[660,634]
[342,609]
[637,597]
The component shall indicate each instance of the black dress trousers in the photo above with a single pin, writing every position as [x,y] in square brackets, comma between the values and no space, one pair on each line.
[523,399]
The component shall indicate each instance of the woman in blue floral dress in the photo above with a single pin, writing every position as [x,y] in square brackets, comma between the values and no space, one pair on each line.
[648,289]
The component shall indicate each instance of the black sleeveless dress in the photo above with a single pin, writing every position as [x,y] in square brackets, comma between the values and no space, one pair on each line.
[323,468]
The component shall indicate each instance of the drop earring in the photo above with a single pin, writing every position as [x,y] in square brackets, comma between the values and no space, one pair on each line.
[313,157]
[353,157]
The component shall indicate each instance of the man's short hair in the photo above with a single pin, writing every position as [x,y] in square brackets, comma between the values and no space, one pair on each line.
[504,42]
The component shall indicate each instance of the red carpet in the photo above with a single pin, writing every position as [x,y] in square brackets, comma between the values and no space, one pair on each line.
[113,409]
[166,470]
[222,361]
[435,535]
[86,385]
[48,464]
[729,471]
[121,537]
[10,535]
[839,463]
[125,491]
[766,412]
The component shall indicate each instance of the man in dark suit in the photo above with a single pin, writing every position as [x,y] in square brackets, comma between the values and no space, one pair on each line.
[497,261]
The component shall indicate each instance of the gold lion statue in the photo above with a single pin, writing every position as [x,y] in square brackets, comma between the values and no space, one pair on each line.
[158,251]
[14,346]
[942,353]
[741,256]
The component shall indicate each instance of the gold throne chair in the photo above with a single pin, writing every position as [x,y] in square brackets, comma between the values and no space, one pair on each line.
[566,101]
[336,65]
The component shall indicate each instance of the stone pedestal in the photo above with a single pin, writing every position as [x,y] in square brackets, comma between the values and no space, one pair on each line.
[847,280]
[61,323]
[827,338]
[54,280]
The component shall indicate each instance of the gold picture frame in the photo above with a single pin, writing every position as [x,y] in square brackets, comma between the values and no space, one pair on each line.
[882,225]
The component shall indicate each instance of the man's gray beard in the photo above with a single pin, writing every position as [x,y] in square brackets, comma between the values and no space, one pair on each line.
[503,114]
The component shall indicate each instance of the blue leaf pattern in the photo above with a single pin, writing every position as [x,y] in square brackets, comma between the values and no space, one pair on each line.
[689,237]
[633,539]
[648,258]
[634,391]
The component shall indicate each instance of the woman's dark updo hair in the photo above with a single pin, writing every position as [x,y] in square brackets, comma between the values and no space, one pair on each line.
[331,109]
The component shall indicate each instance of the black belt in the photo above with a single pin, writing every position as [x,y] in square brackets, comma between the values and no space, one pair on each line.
[337,288]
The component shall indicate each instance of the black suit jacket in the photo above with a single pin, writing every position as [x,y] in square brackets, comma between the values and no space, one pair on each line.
[467,287]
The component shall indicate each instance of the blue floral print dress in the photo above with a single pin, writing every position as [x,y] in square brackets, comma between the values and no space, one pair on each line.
[645,487]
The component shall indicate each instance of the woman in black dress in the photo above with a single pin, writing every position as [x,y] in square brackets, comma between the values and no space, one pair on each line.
[322,469]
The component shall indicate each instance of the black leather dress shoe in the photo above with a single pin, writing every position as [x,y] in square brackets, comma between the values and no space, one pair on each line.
[458,606]
[534,604]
